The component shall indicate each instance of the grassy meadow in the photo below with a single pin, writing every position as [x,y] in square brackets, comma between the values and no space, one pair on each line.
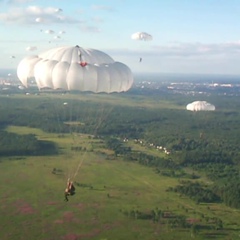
[108,189]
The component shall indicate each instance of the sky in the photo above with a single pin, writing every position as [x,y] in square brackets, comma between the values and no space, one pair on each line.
[188,36]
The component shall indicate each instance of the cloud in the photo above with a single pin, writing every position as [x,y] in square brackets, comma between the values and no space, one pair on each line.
[197,49]
[20,41]
[28,15]
[18,1]
[102,8]
[187,51]
[91,29]
[97,19]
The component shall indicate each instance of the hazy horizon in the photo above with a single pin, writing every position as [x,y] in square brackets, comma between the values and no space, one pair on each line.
[158,76]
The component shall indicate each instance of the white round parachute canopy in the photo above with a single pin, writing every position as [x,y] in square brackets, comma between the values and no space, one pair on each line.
[49,31]
[61,32]
[75,68]
[141,36]
[31,48]
[200,106]
[39,19]
[57,10]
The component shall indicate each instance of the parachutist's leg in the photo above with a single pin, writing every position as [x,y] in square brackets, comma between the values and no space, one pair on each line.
[66,198]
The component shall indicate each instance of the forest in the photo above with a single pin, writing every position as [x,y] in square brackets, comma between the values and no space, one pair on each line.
[206,142]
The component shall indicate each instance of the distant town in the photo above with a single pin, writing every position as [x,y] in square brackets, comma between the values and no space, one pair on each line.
[190,88]
[175,84]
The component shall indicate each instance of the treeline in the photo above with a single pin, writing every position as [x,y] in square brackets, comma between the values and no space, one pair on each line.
[174,221]
[229,193]
[159,216]
[117,146]
[145,159]
[12,144]
[226,181]
[201,156]
[218,172]
[196,191]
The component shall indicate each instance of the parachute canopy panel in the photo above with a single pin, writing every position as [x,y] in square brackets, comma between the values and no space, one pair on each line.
[200,106]
[75,68]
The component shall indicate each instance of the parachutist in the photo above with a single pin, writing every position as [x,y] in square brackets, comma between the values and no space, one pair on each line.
[140,59]
[70,190]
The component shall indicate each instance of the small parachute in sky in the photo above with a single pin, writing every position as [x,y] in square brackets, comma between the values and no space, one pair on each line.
[31,48]
[21,87]
[49,31]
[57,37]
[140,59]
[57,10]
[12,57]
[142,36]
[61,32]
[200,106]
[65,103]
[39,20]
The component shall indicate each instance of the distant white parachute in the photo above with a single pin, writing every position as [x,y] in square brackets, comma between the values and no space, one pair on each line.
[143,36]
[49,31]
[57,10]
[61,32]
[75,68]
[31,48]
[21,87]
[39,20]
[200,106]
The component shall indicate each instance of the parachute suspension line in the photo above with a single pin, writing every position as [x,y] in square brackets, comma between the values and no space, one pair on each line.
[78,168]
[71,134]
[55,106]
[75,139]
[54,110]
[73,131]
[82,159]
[102,117]
[74,134]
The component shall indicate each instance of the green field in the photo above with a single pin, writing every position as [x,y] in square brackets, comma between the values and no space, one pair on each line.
[109,192]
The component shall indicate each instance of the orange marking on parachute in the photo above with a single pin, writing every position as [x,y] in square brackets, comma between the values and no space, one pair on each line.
[83,64]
